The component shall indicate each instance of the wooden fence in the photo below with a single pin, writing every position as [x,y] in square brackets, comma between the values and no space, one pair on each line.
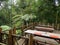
[12,33]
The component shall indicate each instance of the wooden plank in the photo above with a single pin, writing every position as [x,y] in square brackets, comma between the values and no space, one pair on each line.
[44,34]
[45,40]
[44,29]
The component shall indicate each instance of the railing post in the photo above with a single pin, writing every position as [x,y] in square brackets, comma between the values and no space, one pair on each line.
[0,34]
[32,25]
[22,29]
[10,38]
[14,32]
[30,39]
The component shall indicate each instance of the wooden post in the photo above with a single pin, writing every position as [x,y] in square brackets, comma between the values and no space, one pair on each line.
[30,39]
[10,38]
[57,26]
[0,35]
[0,30]
[14,32]
[53,25]
[22,28]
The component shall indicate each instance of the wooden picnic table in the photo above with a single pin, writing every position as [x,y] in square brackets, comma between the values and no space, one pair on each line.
[48,29]
[43,34]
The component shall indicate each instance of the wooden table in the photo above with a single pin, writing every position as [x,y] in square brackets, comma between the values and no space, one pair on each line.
[44,29]
[41,33]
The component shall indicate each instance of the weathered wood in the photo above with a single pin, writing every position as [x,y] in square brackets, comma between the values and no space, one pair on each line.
[30,39]
[44,29]
[45,40]
[0,30]
[10,38]
[22,28]
[0,35]
[14,32]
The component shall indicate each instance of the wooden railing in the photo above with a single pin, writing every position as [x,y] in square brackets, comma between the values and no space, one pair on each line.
[11,36]
[12,33]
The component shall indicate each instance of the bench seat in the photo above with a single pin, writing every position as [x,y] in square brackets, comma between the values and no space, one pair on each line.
[46,40]
[44,29]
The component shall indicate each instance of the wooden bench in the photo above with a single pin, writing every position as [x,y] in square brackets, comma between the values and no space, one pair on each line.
[46,36]
[42,40]
[44,29]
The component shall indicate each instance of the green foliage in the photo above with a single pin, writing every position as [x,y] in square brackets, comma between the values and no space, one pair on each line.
[28,10]
[19,19]
[18,32]
[3,0]
[5,28]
